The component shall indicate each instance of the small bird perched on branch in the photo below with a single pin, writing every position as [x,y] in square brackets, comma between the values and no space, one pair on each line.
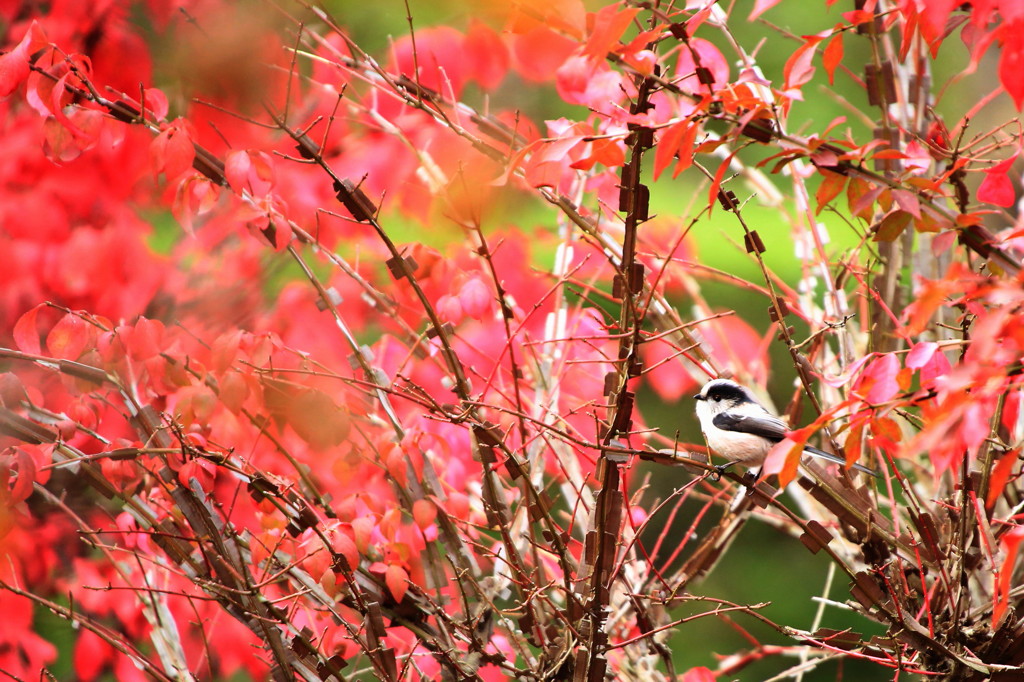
[741,430]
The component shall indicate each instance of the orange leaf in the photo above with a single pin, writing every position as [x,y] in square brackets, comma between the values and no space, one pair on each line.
[861,196]
[716,184]
[68,338]
[784,459]
[799,68]
[833,55]
[318,420]
[668,144]
[397,581]
[423,513]
[892,226]
[1011,543]
[854,438]
[1000,475]
[831,185]
[610,22]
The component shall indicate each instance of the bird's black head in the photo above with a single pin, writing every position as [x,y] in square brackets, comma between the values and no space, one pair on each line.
[724,391]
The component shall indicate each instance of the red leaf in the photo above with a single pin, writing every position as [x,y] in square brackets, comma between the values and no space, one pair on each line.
[1011,61]
[487,57]
[700,674]
[342,544]
[156,103]
[195,196]
[172,150]
[65,141]
[19,461]
[997,188]
[929,297]
[249,171]
[92,655]
[202,471]
[14,65]
[26,333]
[538,53]
[397,581]
[145,340]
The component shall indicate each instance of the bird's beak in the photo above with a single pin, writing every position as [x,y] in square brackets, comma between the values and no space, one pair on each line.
[698,397]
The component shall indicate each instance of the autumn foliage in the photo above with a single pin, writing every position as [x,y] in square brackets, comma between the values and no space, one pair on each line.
[326,362]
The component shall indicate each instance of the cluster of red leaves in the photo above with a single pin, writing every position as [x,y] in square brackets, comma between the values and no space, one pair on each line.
[240,372]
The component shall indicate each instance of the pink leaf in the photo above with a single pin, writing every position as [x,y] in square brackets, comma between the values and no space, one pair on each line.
[475,297]
[879,379]
[920,354]
[710,58]
[760,7]
[799,69]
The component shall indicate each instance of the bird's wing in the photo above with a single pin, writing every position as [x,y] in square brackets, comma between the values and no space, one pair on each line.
[765,425]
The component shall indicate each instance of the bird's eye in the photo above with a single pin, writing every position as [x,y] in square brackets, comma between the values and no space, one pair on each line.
[716,398]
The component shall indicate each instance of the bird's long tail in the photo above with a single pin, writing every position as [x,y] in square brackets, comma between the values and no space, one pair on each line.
[838,460]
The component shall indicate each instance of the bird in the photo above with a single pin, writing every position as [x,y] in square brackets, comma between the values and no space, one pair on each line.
[741,430]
